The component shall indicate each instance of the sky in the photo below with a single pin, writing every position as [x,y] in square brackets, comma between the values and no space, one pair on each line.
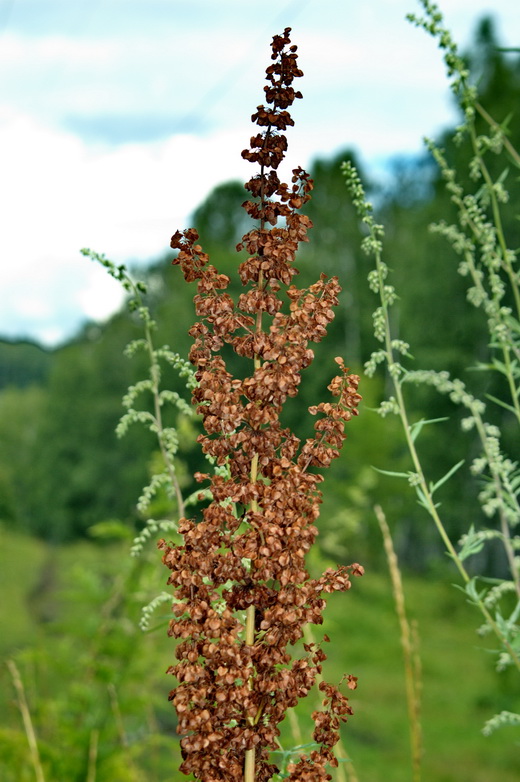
[118,117]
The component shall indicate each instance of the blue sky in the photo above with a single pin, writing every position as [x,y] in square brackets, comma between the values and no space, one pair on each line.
[117,117]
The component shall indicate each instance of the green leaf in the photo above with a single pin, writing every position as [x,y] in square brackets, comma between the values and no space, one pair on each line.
[392,474]
[502,623]
[500,366]
[513,619]
[515,482]
[423,500]
[415,429]
[480,367]
[471,590]
[501,403]
[435,486]
[503,176]
[473,543]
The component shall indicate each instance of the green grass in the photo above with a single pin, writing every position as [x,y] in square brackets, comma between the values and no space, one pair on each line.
[460,687]
[61,604]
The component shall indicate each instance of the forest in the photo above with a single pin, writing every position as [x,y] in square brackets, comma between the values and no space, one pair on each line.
[82,678]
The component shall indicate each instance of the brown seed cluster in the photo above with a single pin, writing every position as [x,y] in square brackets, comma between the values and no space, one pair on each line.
[242,588]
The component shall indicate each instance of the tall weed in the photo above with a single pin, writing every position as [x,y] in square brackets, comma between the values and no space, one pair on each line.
[490,265]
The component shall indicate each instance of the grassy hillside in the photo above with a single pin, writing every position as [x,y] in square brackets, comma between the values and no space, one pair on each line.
[97,693]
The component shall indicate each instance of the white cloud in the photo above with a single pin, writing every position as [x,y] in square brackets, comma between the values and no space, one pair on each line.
[58,195]
[31,306]
[99,295]
[50,50]
[48,336]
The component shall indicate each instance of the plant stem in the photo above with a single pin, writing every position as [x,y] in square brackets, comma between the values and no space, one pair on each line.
[155,374]
[504,526]
[497,218]
[442,531]
[114,702]
[422,483]
[295,727]
[249,762]
[27,722]
[506,263]
[92,756]
[339,749]
[249,766]
[507,144]
[250,625]
[407,643]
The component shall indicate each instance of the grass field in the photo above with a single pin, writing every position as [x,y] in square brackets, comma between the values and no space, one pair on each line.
[97,693]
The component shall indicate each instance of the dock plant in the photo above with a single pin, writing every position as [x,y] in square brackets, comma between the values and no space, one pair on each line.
[242,590]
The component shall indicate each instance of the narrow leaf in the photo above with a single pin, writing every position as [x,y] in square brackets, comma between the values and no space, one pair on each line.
[393,474]
[423,501]
[500,366]
[434,487]
[415,429]
[501,403]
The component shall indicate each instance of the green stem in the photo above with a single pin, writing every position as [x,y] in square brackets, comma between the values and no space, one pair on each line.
[505,347]
[412,685]
[27,721]
[92,755]
[155,376]
[249,766]
[249,761]
[510,379]
[442,531]
[497,219]
[420,474]
[494,124]
[504,526]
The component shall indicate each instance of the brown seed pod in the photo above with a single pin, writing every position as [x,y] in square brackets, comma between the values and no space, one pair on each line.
[236,677]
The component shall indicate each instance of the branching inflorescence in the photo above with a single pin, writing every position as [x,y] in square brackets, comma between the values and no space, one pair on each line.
[242,590]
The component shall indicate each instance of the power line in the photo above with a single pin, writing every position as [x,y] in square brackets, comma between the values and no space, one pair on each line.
[232,76]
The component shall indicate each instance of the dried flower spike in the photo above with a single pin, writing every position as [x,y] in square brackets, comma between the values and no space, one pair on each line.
[242,590]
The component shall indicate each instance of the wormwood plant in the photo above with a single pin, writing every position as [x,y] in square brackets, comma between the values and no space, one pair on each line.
[480,240]
[241,588]
[147,400]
